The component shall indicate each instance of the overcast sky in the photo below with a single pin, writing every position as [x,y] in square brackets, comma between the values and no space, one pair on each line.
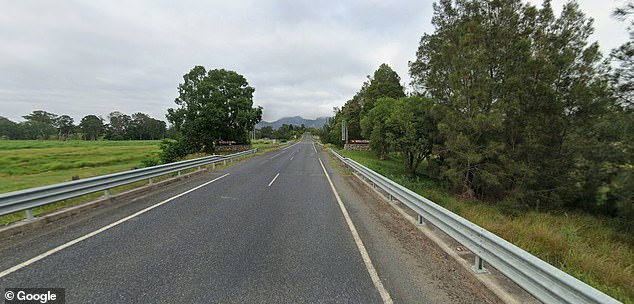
[302,57]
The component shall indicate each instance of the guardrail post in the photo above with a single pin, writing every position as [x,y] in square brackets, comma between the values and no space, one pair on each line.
[420,220]
[150,181]
[29,214]
[198,168]
[225,162]
[478,265]
[107,194]
[179,173]
[213,166]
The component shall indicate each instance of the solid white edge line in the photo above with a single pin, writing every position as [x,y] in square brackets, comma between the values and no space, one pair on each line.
[385,295]
[100,230]
[272,181]
[315,148]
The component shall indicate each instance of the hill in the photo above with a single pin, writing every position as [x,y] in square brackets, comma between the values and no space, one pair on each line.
[296,120]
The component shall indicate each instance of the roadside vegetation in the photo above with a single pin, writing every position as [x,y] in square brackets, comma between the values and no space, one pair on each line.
[517,122]
[591,248]
[30,163]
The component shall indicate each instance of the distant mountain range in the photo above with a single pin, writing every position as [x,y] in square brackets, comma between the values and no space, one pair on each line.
[296,120]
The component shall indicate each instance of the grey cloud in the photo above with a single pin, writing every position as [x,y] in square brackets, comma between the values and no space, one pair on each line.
[303,58]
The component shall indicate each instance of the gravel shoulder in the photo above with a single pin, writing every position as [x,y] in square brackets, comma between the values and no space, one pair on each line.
[412,267]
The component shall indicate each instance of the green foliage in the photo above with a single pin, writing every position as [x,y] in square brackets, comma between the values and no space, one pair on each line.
[284,133]
[266,132]
[150,162]
[384,83]
[374,126]
[214,105]
[92,127]
[412,129]
[8,129]
[173,150]
[588,246]
[521,93]
[139,126]
[65,127]
[38,125]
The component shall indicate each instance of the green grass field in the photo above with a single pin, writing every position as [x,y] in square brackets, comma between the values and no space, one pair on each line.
[29,163]
[588,247]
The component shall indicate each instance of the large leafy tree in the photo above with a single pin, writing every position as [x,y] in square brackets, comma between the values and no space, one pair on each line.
[9,129]
[65,126]
[118,126]
[92,127]
[213,105]
[521,92]
[385,82]
[412,129]
[39,124]
[374,126]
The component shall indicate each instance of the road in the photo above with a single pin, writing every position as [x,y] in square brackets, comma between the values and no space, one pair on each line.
[274,229]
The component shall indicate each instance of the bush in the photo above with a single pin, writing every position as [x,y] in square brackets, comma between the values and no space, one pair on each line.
[150,162]
[172,150]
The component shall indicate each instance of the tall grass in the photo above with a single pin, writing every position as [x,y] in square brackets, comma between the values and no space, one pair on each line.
[31,163]
[586,246]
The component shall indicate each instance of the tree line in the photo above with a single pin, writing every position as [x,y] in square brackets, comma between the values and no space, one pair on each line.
[44,125]
[284,132]
[509,103]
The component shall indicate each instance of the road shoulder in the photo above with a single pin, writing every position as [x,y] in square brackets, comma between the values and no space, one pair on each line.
[412,267]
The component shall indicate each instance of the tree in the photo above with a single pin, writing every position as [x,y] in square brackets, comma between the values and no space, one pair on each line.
[8,129]
[266,132]
[65,126]
[92,127]
[284,132]
[621,129]
[384,83]
[118,126]
[40,124]
[374,126]
[139,127]
[412,129]
[214,105]
[521,91]
[623,56]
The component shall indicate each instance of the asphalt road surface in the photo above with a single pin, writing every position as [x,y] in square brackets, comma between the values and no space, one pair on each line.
[273,229]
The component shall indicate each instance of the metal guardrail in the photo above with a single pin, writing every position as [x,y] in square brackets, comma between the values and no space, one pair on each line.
[25,200]
[542,280]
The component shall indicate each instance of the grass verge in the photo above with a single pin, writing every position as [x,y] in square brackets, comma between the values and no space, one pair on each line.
[587,247]
[26,164]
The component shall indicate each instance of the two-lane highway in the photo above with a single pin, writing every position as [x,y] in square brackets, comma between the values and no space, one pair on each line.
[268,230]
